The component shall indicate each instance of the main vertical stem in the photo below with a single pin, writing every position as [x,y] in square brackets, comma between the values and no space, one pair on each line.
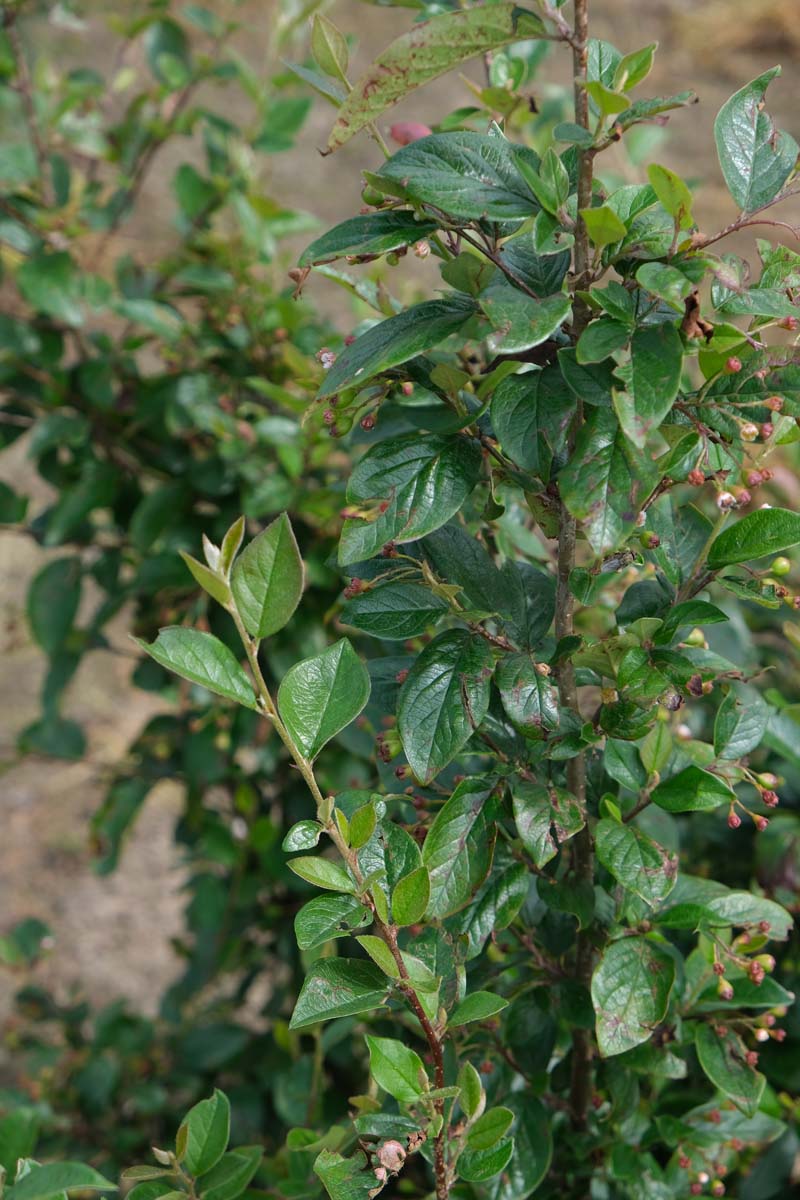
[583,850]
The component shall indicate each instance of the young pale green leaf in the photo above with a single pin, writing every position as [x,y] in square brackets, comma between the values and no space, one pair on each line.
[395,341]
[208,580]
[267,579]
[322,873]
[409,487]
[53,1179]
[603,225]
[467,175]
[766,531]
[527,695]
[201,658]
[478,1166]
[651,379]
[722,1056]
[380,954]
[448,851]
[231,1175]
[489,1128]
[329,48]
[327,917]
[430,49]
[471,1093]
[520,323]
[395,611]
[373,233]
[321,696]
[231,543]
[479,1006]
[545,817]
[608,101]
[338,987]
[673,194]
[443,700]
[756,158]
[550,184]
[636,861]
[633,68]
[631,987]
[207,1129]
[411,896]
[740,723]
[396,1068]
[692,790]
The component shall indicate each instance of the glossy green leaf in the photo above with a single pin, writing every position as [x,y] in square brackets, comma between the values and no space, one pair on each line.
[651,378]
[545,818]
[631,987]
[304,835]
[600,339]
[338,987]
[327,917]
[722,1057]
[396,1068]
[396,340]
[449,851]
[421,479]
[410,897]
[267,579]
[479,1166]
[430,49]
[373,233]
[321,696]
[692,790]
[740,723]
[206,1131]
[322,873]
[528,696]
[489,1128]
[636,861]
[494,908]
[443,700]
[201,658]
[522,407]
[466,175]
[756,158]
[478,1006]
[766,531]
[518,321]
[53,1179]
[395,611]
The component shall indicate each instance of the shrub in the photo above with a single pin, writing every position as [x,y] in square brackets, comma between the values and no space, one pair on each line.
[552,979]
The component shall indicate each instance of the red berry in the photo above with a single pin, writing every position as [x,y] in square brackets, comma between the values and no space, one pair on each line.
[751,1058]
[774,403]
[405,132]
[368,422]
[790,323]
[696,477]
[770,798]
[734,820]
[733,365]
[754,478]
[760,823]
[719,968]
[764,926]
[684,1161]
[767,430]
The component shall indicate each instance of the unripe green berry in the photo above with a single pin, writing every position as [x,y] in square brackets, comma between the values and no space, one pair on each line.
[781,566]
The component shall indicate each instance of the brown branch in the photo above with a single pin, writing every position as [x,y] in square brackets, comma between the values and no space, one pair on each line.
[699,241]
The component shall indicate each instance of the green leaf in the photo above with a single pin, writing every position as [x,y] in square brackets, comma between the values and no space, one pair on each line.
[327,917]
[396,340]
[380,954]
[631,987]
[267,579]
[722,1057]
[471,1089]
[443,700]
[530,700]
[633,68]
[533,1146]
[395,611]
[430,49]
[636,861]
[201,658]
[766,531]
[467,175]
[19,1130]
[422,480]
[608,101]
[494,908]
[692,790]
[519,409]
[651,377]
[51,1180]
[603,225]
[329,48]
[410,897]
[230,1177]
[338,987]
[322,873]
[665,282]
[600,339]
[51,284]
[396,1068]
[755,157]
[740,724]
[686,615]
[490,1128]
[519,322]
[206,1129]
[478,1166]
[673,194]
[320,696]
[304,835]
[208,580]
[479,1006]
[373,233]
[448,851]
[52,602]
[598,484]
[545,818]
[345,1178]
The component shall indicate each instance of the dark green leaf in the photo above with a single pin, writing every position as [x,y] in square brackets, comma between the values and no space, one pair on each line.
[328,917]
[545,817]
[519,322]
[528,696]
[338,987]
[740,723]
[448,851]
[755,157]
[631,987]
[321,696]
[478,1166]
[636,861]
[395,611]
[43,1182]
[722,1057]
[692,790]
[207,1128]
[533,1145]
[651,379]
[766,531]
[344,1178]
[443,700]
[230,1177]
[52,602]
[374,233]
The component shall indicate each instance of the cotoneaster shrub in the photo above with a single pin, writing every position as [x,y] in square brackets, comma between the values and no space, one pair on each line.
[534,962]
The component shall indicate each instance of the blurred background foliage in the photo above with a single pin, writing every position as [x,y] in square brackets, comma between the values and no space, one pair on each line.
[155,374]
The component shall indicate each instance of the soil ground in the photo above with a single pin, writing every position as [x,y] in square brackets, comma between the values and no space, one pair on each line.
[103,928]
